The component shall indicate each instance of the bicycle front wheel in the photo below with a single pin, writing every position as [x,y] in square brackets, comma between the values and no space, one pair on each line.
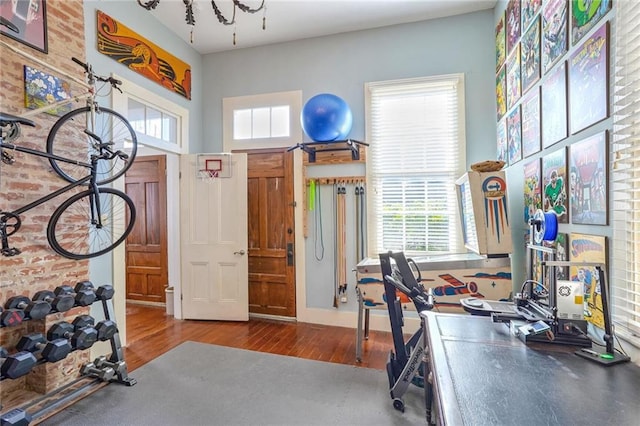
[79,134]
[89,225]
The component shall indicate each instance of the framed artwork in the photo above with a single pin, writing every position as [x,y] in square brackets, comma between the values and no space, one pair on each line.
[501,133]
[41,89]
[530,8]
[588,180]
[589,81]
[119,42]
[513,77]
[555,33]
[530,52]
[585,14]
[554,106]
[28,19]
[501,42]
[561,244]
[514,24]
[501,93]
[554,184]
[514,136]
[531,123]
[589,248]
[532,189]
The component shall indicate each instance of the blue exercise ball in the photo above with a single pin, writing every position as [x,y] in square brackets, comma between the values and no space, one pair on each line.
[326,118]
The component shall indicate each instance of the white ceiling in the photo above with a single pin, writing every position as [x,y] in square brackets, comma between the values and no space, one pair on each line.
[288,20]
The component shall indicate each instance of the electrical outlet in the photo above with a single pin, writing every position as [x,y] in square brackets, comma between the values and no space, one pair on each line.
[343,299]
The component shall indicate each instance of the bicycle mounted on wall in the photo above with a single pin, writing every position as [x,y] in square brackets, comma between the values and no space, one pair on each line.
[92,222]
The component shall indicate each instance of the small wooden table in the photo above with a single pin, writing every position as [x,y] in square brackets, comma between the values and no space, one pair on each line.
[482,374]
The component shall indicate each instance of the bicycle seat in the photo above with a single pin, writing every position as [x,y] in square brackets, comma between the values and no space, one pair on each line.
[8,119]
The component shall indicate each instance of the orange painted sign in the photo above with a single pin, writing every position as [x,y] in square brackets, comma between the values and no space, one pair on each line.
[140,55]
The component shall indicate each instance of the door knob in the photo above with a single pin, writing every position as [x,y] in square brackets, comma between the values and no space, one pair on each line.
[241,252]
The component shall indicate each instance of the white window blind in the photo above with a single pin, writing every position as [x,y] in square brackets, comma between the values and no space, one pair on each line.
[625,174]
[417,151]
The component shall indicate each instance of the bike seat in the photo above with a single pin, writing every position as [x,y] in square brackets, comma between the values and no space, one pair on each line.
[8,119]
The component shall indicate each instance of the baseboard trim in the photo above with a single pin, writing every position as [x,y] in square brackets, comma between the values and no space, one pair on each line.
[142,302]
[272,317]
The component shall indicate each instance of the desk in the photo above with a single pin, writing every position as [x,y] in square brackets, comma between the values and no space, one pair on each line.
[483,375]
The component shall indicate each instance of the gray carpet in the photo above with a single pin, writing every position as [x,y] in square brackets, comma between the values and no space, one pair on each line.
[202,384]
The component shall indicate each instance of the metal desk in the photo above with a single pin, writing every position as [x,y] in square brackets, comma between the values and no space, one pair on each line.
[483,375]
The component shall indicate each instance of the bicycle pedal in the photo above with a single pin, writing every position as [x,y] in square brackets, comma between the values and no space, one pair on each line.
[8,252]
[7,158]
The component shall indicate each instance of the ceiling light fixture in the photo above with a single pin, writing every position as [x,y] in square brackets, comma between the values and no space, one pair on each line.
[190,19]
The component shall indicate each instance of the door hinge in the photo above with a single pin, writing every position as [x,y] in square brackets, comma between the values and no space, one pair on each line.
[293,204]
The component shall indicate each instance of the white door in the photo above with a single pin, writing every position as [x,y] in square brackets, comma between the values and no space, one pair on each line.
[214,242]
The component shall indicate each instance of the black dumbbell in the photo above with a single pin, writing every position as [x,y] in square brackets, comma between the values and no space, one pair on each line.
[53,351]
[106,330]
[15,417]
[34,309]
[16,365]
[105,374]
[11,317]
[81,333]
[59,302]
[81,298]
[104,292]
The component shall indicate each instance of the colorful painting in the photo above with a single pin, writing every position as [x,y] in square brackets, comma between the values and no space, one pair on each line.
[513,24]
[41,89]
[588,180]
[513,77]
[142,56]
[555,33]
[501,42]
[531,123]
[26,22]
[554,106]
[589,81]
[585,14]
[529,10]
[591,249]
[530,51]
[501,93]
[554,184]
[532,189]
[502,142]
[514,136]
[561,244]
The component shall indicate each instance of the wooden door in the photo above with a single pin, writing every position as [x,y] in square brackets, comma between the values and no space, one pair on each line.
[213,241]
[272,289]
[146,248]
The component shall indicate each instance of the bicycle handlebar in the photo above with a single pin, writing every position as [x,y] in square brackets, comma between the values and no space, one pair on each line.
[87,68]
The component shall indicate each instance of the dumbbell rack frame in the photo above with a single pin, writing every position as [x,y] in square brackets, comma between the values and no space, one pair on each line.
[62,397]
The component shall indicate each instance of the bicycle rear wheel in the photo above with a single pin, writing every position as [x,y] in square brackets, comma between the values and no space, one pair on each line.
[74,233]
[71,137]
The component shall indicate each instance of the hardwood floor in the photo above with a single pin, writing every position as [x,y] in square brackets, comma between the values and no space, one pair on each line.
[150,333]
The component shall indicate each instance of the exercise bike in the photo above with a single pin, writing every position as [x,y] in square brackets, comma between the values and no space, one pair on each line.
[406,364]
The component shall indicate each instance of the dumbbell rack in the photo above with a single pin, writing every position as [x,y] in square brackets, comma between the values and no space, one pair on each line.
[83,386]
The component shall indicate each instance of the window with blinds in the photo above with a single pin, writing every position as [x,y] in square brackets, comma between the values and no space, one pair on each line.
[625,174]
[417,151]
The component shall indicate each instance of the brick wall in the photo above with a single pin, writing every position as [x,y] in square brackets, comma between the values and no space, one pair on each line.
[38,267]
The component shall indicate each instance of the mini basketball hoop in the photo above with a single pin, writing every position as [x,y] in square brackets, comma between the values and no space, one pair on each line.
[213,166]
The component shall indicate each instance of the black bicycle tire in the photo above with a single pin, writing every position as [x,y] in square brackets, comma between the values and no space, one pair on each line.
[53,241]
[51,138]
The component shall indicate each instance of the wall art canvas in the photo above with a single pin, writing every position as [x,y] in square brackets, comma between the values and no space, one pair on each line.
[514,135]
[588,180]
[555,32]
[530,53]
[561,245]
[501,93]
[502,142]
[554,106]
[530,9]
[142,56]
[588,81]
[531,123]
[513,77]
[592,249]
[514,24]
[554,184]
[42,89]
[501,42]
[27,22]
[585,14]
[532,189]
